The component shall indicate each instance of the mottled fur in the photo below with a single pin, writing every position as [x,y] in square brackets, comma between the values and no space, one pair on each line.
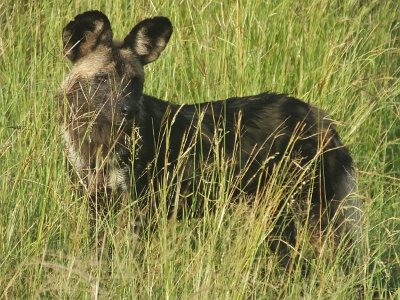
[120,139]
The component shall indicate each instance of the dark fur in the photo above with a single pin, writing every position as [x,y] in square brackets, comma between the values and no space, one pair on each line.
[112,125]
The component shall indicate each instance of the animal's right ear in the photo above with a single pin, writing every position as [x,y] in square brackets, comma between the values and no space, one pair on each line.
[83,34]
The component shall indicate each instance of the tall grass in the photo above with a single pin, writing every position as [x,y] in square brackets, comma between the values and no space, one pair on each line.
[343,56]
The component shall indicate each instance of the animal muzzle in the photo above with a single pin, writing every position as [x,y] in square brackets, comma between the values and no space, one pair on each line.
[127,110]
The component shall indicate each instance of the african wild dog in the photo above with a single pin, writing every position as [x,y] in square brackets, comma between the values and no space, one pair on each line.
[121,141]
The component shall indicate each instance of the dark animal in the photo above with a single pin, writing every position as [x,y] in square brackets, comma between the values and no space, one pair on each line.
[121,141]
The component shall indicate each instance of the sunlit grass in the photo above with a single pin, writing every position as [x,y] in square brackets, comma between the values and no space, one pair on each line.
[343,56]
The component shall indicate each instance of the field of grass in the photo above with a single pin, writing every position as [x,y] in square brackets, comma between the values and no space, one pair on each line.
[343,56]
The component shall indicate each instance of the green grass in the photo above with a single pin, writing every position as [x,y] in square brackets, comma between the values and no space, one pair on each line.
[343,56]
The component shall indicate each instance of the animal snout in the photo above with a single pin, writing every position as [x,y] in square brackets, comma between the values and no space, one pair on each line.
[127,110]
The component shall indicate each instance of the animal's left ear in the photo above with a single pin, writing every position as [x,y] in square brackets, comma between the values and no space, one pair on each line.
[149,38]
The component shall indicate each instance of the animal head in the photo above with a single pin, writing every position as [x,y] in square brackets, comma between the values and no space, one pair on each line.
[106,80]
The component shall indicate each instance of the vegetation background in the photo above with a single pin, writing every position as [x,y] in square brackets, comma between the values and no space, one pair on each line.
[341,55]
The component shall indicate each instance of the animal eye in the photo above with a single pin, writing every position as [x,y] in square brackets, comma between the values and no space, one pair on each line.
[102,77]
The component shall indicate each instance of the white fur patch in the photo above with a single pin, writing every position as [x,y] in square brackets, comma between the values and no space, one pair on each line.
[73,156]
[117,178]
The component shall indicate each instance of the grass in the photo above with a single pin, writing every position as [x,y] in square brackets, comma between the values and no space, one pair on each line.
[343,56]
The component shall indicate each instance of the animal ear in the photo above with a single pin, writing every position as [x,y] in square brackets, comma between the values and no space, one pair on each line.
[83,34]
[149,38]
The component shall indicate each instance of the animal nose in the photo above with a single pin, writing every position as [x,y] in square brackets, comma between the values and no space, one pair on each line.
[127,110]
